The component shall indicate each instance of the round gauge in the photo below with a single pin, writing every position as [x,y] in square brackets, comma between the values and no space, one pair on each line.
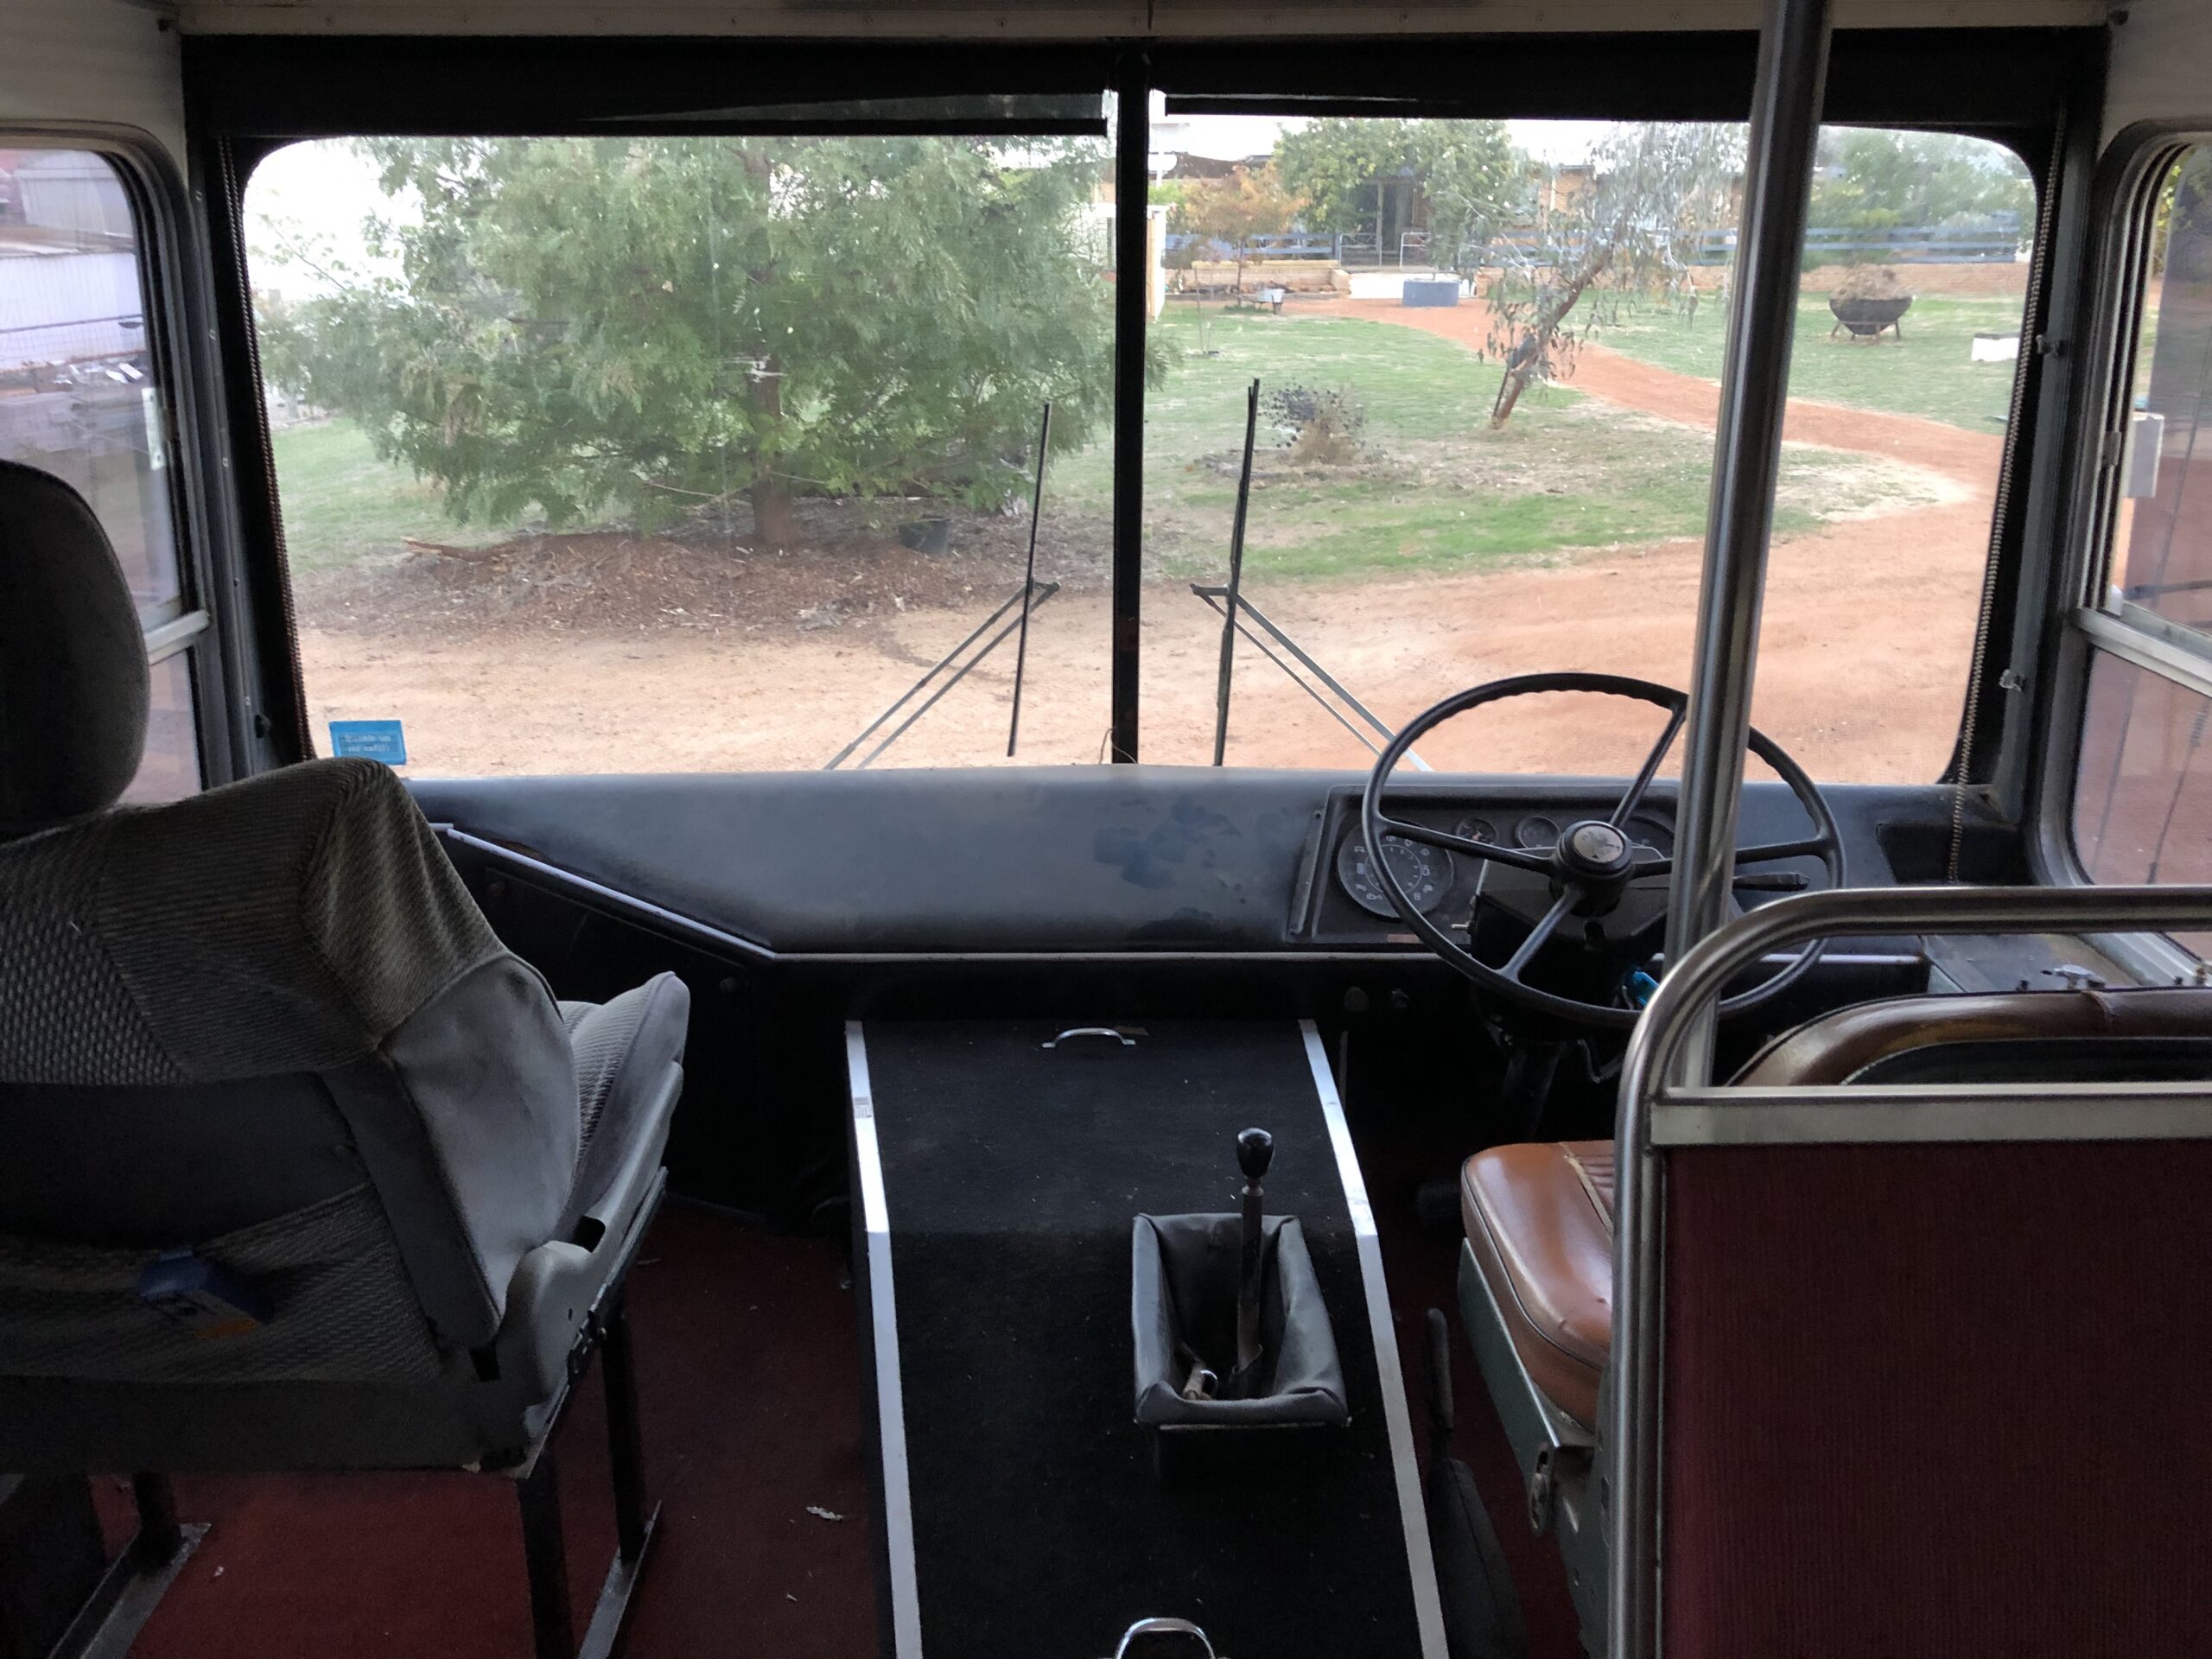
[1649,833]
[1476,830]
[1538,832]
[1423,871]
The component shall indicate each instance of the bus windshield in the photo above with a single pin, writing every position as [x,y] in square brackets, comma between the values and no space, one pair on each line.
[720,453]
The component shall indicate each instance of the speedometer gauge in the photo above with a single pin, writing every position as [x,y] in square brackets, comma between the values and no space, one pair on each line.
[1423,871]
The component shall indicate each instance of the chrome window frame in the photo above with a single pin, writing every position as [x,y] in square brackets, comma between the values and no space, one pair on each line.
[2133,167]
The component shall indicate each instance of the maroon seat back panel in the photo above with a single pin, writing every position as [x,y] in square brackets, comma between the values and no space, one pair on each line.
[1938,1401]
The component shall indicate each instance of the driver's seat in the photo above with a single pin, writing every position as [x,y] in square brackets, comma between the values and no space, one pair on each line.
[1540,1216]
[1539,1226]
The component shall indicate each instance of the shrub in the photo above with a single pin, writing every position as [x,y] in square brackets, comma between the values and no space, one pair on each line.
[1323,424]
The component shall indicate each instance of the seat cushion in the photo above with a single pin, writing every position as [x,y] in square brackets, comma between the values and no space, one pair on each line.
[1540,1220]
[623,1048]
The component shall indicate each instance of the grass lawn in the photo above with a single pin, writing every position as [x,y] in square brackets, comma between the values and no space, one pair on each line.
[1930,371]
[1434,488]
[1414,386]
[340,502]
[1438,488]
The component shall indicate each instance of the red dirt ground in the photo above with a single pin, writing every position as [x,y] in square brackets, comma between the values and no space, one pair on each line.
[1868,626]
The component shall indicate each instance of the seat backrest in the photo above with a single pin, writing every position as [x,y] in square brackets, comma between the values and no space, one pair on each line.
[265,1025]
[1939,1398]
[2011,1034]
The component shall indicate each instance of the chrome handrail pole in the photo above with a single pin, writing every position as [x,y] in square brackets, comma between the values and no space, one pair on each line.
[1747,457]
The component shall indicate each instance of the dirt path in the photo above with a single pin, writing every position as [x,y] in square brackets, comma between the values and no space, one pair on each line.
[1868,626]
[1969,457]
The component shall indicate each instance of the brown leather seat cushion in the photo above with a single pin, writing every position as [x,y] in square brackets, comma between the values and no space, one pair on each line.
[1540,1218]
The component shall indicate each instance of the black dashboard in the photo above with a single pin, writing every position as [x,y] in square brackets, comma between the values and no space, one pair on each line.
[1109,860]
[793,902]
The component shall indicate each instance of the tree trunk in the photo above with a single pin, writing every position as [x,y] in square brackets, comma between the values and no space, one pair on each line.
[775,524]
[1509,393]
[775,519]
[1536,348]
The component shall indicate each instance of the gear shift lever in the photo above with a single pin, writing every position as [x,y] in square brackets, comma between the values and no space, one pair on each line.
[1256,1150]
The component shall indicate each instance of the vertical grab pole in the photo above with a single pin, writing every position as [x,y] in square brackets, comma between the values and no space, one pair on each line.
[1132,309]
[1747,449]
[1747,455]
[1235,578]
[1028,582]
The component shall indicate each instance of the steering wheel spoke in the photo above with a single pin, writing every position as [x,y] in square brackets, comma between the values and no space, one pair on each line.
[1768,852]
[1520,857]
[1652,762]
[1570,895]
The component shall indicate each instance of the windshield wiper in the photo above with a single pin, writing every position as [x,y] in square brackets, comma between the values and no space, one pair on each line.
[1236,576]
[1029,578]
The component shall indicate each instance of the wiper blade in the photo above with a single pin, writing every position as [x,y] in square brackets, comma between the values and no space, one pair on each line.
[1029,582]
[1236,577]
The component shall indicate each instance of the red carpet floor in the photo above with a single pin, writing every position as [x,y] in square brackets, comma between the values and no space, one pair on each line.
[749,1362]
[749,1374]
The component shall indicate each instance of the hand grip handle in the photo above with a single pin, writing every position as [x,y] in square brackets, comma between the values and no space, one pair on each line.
[1121,1037]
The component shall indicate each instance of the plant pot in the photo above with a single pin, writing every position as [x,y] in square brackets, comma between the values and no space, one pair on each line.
[1866,318]
[927,535]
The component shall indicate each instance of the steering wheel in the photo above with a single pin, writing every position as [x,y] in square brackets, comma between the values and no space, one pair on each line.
[1593,865]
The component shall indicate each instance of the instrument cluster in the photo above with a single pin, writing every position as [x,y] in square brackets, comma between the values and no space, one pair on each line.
[1431,875]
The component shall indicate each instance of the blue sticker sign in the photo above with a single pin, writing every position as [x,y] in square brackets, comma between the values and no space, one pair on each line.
[379,740]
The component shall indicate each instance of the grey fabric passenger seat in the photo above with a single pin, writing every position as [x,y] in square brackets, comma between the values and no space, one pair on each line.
[263,1039]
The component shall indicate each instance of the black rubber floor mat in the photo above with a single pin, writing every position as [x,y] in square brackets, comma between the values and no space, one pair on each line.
[1012,1172]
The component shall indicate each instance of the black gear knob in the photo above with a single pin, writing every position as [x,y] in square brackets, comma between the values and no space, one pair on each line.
[1256,1150]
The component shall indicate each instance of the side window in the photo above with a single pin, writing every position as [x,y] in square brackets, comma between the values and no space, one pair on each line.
[81,398]
[2143,785]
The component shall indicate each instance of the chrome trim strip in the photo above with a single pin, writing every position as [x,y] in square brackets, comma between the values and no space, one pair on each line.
[1428,1609]
[676,921]
[1932,1115]
[891,1401]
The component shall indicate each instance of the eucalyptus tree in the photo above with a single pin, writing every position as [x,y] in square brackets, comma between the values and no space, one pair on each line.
[1622,231]
[669,325]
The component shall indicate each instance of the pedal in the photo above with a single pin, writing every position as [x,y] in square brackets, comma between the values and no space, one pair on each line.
[1436,1204]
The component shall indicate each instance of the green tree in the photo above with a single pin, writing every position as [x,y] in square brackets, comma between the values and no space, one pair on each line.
[1869,180]
[1245,202]
[285,337]
[1626,234]
[1464,177]
[661,324]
